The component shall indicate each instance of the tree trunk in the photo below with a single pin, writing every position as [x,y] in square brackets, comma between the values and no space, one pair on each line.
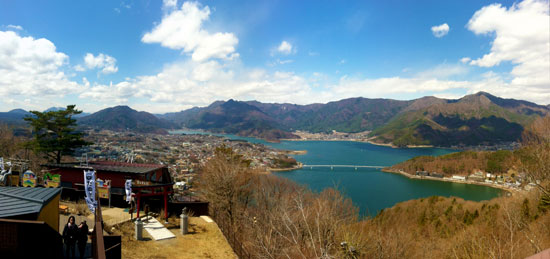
[58,159]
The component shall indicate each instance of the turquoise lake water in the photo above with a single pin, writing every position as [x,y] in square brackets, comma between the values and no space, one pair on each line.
[369,189]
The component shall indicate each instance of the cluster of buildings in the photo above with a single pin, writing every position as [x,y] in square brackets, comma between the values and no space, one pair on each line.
[182,154]
[516,181]
[513,145]
[334,135]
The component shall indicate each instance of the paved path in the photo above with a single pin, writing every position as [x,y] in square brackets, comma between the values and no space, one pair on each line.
[157,230]
[113,216]
[207,219]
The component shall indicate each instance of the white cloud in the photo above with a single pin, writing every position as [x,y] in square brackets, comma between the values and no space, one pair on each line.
[105,63]
[32,68]
[465,60]
[440,30]
[383,87]
[186,84]
[443,71]
[169,4]
[183,29]
[285,48]
[286,61]
[79,68]
[522,37]
[190,83]
[15,27]
[212,75]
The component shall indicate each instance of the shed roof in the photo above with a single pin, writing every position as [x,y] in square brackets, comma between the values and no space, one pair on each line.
[24,200]
[110,166]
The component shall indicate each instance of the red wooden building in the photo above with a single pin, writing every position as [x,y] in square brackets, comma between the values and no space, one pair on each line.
[72,174]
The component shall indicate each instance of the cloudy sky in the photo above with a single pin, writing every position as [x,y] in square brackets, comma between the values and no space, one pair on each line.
[165,56]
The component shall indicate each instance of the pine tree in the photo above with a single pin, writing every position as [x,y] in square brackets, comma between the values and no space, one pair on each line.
[54,133]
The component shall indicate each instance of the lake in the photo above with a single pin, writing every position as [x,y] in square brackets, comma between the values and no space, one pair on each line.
[369,189]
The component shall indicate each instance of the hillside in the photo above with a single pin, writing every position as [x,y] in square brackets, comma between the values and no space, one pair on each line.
[461,163]
[472,120]
[233,117]
[14,117]
[440,227]
[477,119]
[347,115]
[275,121]
[121,118]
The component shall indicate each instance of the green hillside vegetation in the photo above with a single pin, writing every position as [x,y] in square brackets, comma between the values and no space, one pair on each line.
[348,115]
[472,120]
[462,163]
[236,117]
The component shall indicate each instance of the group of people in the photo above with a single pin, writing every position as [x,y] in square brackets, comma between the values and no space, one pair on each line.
[75,235]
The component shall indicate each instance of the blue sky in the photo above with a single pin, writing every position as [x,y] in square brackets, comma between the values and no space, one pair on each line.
[165,56]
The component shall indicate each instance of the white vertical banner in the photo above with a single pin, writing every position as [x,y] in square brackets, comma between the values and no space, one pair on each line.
[89,189]
[128,187]
[2,163]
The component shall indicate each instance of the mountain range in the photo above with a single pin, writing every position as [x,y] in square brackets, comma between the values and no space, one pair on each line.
[475,119]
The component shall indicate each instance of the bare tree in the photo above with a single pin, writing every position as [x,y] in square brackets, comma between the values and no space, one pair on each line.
[535,156]
[225,181]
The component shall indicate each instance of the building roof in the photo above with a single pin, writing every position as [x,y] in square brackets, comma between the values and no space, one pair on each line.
[24,200]
[111,166]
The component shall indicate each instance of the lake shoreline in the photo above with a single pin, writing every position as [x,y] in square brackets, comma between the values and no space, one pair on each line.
[296,167]
[369,142]
[496,186]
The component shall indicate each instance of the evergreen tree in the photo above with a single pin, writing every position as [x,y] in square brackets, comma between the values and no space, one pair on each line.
[54,133]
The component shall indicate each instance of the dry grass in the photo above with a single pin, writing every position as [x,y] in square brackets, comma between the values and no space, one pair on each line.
[78,208]
[204,240]
[82,208]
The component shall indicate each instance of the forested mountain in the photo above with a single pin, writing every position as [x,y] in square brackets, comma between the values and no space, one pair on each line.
[121,118]
[474,119]
[232,117]
[14,117]
[471,120]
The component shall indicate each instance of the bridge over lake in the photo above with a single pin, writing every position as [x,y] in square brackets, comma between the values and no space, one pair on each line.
[344,166]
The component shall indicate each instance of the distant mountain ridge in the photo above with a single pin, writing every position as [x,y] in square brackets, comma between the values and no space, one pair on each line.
[233,117]
[14,117]
[122,118]
[472,120]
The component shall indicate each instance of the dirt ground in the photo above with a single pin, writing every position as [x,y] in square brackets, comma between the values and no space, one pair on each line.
[204,240]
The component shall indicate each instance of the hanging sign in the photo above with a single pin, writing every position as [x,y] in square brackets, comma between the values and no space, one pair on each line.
[29,179]
[103,188]
[89,189]
[52,180]
[128,187]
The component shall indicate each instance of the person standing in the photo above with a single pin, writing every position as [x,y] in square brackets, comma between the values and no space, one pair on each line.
[69,237]
[82,238]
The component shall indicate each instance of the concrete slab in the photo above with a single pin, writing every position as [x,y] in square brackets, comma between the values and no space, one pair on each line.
[157,230]
[207,219]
